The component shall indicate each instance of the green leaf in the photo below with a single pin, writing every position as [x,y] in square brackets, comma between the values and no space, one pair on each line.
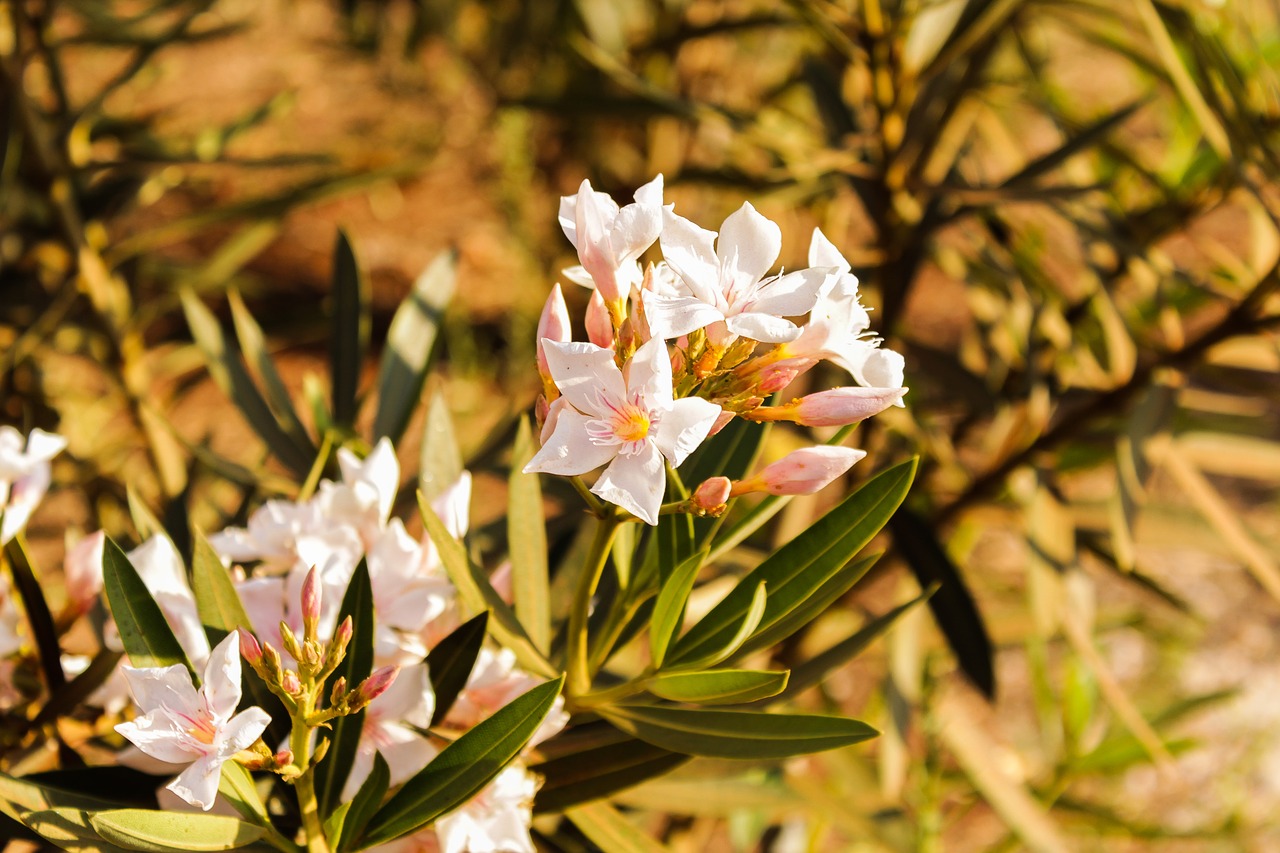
[718,687]
[413,333]
[147,637]
[477,595]
[464,767]
[66,698]
[953,606]
[37,610]
[736,734]
[786,624]
[802,566]
[19,796]
[331,773]
[747,627]
[449,664]
[174,832]
[606,828]
[70,829]
[599,769]
[144,520]
[253,345]
[815,669]
[350,336]
[221,612]
[668,610]
[366,802]
[229,374]
[236,785]
[440,463]
[527,542]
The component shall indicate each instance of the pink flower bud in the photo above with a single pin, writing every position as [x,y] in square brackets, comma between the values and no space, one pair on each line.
[553,325]
[721,422]
[290,682]
[342,636]
[841,406]
[373,687]
[311,603]
[779,375]
[599,326]
[802,472]
[82,572]
[249,648]
[284,757]
[712,494]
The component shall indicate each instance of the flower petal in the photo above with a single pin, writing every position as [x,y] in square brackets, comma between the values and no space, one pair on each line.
[569,451]
[790,295]
[672,316]
[221,686]
[160,736]
[649,374]
[633,231]
[580,370]
[198,784]
[635,483]
[749,244]
[651,193]
[242,730]
[154,687]
[765,328]
[685,427]
[688,249]
[823,253]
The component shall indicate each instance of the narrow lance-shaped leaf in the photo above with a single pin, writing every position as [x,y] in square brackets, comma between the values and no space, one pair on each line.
[718,687]
[253,345]
[477,595]
[365,804]
[601,771]
[37,610]
[70,829]
[750,621]
[737,734]
[668,610]
[451,661]
[606,828]
[350,336]
[144,520]
[147,637]
[803,565]
[464,767]
[441,460]
[331,774]
[236,786]
[527,538]
[953,607]
[172,832]
[410,340]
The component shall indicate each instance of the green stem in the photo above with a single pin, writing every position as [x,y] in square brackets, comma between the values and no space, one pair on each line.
[579,672]
[612,694]
[593,503]
[305,785]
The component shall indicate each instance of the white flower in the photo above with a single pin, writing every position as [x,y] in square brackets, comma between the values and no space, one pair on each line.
[388,729]
[272,534]
[496,820]
[610,239]
[24,475]
[160,567]
[630,422]
[408,593]
[726,284]
[368,489]
[199,728]
[494,683]
[837,327]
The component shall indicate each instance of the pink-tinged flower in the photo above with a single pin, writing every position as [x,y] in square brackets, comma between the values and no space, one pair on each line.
[723,281]
[553,324]
[609,239]
[272,534]
[599,326]
[838,327]
[629,421]
[801,472]
[495,682]
[82,572]
[409,591]
[10,619]
[25,475]
[496,820]
[368,489]
[200,728]
[712,494]
[833,407]
[390,728]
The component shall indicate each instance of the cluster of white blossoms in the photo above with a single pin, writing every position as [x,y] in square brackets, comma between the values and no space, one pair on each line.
[677,349]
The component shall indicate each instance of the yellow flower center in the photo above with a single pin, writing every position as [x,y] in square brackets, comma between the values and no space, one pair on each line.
[631,424]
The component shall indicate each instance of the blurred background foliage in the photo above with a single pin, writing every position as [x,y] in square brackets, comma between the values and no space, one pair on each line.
[1063,211]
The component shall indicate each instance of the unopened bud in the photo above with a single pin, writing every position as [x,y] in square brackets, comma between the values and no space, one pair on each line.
[290,682]
[802,472]
[311,604]
[311,655]
[249,648]
[722,420]
[290,641]
[553,325]
[270,662]
[373,687]
[338,691]
[711,496]
[833,407]
[322,749]
[779,375]
[599,324]
[283,758]
[338,645]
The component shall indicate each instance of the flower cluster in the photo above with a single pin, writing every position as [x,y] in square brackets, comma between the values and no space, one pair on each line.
[679,348]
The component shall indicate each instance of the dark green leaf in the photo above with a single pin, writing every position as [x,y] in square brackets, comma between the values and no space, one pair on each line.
[451,661]
[736,734]
[331,773]
[144,520]
[527,543]
[464,767]
[953,607]
[350,336]
[600,772]
[365,804]
[718,687]
[253,345]
[668,610]
[412,335]
[147,637]
[802,566]
[38,615]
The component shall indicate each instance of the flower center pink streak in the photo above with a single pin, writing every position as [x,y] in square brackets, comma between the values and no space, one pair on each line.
[202,728]
[625,422]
